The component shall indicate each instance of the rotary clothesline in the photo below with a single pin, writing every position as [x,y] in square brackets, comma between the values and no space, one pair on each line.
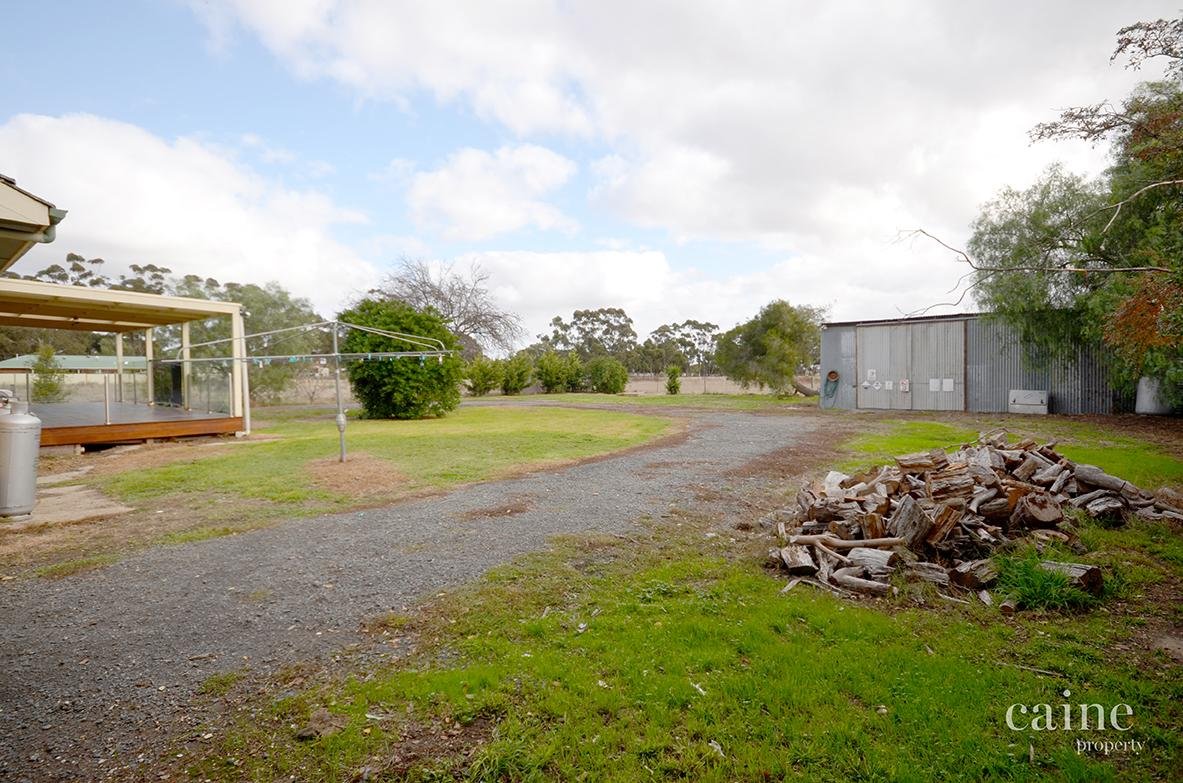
[427,347]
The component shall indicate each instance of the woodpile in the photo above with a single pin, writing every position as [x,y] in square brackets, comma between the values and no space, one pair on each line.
[939,517]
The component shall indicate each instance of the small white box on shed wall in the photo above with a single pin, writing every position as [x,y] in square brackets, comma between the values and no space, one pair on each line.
[1027,401]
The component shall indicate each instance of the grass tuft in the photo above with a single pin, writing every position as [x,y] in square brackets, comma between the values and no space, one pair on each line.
[75,566]
[1020,576]
[197,534]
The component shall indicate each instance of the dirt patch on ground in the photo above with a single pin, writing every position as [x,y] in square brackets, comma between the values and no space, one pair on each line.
[807,453]
[519,504]
[362,476]
[433,745]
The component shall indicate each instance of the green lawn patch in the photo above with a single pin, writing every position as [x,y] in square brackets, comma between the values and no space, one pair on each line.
[655,659]
[473,444]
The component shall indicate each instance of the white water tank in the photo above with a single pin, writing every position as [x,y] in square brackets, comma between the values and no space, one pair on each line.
[20,444]
[1149,400]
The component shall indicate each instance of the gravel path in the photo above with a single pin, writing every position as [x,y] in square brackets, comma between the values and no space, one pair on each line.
[92,665]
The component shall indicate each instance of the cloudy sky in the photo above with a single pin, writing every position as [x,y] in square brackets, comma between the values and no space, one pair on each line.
[678,159]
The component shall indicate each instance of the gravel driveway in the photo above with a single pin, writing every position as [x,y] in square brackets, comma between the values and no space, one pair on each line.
[95,666]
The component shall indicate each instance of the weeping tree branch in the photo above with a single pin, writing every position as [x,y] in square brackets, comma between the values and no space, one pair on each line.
[1061,268]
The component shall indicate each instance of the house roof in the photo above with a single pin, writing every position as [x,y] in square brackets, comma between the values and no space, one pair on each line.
[72,362]
[25,220]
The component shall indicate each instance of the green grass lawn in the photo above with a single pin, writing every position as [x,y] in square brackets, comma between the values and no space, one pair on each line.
[735,402]
[674,656]
[472,444]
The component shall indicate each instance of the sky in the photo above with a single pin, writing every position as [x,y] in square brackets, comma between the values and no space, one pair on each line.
[678,159]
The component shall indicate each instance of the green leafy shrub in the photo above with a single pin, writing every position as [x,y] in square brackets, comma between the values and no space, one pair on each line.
[606,375]
[48,383]
[515,373]
[484,375]
[574,371]
[1033,587]
[551,372]
[403,388]
[673,379]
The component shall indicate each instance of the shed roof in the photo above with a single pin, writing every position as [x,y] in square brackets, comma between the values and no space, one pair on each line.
[73,362]
[920,319]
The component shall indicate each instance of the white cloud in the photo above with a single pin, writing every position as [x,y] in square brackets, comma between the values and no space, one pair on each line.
[818,129]
[134,197]
[476,195]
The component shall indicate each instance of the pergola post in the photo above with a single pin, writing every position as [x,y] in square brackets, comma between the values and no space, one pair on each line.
[150,381]
[238,365]
[119,367]
[186,370]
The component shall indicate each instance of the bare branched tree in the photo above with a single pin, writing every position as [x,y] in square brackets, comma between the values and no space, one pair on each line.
[461,297]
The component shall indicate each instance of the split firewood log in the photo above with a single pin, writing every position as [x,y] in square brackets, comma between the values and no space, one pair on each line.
[947,516]
[929,572]
[798,560]
[851,578]
[975,574]
[1037,509]
[1080,575]
[910,522]
[879,563]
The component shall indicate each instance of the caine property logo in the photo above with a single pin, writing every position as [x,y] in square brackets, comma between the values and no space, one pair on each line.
[1077,717]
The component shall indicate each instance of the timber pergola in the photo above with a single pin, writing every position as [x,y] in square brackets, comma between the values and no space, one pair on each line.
[51,306]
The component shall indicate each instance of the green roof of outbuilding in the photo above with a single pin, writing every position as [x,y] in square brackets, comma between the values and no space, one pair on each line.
[74,363]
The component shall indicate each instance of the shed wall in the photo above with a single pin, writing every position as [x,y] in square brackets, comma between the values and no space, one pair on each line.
[838,354]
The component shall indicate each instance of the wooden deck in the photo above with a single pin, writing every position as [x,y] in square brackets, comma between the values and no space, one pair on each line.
[70,423]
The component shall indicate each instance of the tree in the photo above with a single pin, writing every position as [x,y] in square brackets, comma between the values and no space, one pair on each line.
[48,378]
[483,375]
[604,332]
[770,349]
[1070,260]
[606,375]
[401,388]
[516,373]
[695,341]
[462,298]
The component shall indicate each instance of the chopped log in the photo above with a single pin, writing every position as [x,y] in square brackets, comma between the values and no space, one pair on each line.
[1108,510]
[1037,509]
[1167,499]
[980,497]
[798,560]
[813,527]
[1080,575]
[929,572]
[1048,475]
[878,562]
[947,517]
[845,528]
[984,597]
[943,487]
[983,477]
[851,579]
[1080,501]
[873,526]
[910,522]
[1094,476]
[833,482]
[838,543]
[1027,469]
[920,462]
[975,574]
[1009,606]
[1060,482]
[998,508]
